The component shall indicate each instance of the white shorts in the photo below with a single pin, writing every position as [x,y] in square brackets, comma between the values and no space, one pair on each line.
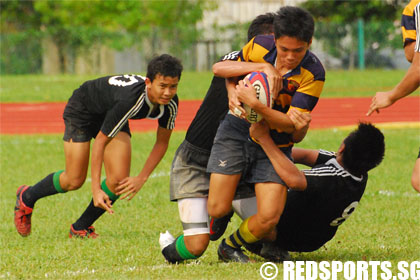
[194,216]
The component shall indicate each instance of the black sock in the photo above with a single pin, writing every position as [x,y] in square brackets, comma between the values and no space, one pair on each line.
[88,217]
[171,254]
[43,188]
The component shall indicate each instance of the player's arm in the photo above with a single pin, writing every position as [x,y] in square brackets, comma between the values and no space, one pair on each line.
[301,121]
[305,156]
[229,69]
[288,172]
[409,51]
[276,119]
[131,185]
[100,198]
[407,85]
[234,104]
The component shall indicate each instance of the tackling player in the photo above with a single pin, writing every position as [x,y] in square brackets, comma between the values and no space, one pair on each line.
[101,109]
[332,189]
[189,183]
[411,80]
[297,77]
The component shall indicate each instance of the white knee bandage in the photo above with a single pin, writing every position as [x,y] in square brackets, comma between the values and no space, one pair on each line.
[194,216]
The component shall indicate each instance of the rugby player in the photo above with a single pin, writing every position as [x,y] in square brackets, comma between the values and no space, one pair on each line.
[332,189]
[411,81]
[296,80]
[189,182]
[101,109]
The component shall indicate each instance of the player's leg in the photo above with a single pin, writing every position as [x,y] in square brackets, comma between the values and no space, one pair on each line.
[72,178]
[244,205]
[271,198]
[221,193]
[195,238]
[415,178]
[189,185]
[117,160]
[226,164]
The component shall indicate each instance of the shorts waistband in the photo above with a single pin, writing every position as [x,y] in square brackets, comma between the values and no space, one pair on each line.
[190,146]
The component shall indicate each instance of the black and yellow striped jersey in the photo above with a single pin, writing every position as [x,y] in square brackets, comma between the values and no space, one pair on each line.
[302,86]
[408,23]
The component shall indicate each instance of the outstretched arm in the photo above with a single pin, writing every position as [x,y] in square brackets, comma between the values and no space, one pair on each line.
[288,172]
[408,84]
[131,185]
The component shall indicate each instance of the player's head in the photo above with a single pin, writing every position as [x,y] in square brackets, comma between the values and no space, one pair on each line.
[165,65]
[163,74]
[294,22]
[293,31]
[261,25]
[364,149]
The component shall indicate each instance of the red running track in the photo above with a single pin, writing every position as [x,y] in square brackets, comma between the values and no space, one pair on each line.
[33,118]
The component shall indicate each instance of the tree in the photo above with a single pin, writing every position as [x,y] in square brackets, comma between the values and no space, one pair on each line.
[337,20]
[75,25]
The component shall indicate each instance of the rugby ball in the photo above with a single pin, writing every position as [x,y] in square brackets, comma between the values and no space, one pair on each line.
[260,82]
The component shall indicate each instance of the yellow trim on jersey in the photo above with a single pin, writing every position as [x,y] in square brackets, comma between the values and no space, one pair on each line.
[314,88]
[299,109]
[254,52]
[278,146]
[283,99]
[408,34]
[408,10]
[307,84]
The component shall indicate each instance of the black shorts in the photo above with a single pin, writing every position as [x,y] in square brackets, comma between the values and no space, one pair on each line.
[80,125]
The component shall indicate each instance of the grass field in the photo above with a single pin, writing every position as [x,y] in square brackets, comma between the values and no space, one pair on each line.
[193,85]
[385,225]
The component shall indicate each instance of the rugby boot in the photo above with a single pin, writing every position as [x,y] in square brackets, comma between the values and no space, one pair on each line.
[270,251]
[229,254]
[83,233]
[23,213]
[218,226]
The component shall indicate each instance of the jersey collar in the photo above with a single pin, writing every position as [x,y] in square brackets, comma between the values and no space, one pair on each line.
[151,106]
[334,162]
[271,57]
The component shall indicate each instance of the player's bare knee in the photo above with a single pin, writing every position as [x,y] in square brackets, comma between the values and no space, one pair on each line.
[112,182]
[197,244]
[218,210]
[267,222]
[75,183]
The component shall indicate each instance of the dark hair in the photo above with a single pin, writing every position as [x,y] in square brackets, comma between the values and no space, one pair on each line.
[164,65]
[364,149]
[294,22]
[262,24]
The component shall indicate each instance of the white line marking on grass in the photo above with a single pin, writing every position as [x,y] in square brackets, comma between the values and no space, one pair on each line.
[396,194]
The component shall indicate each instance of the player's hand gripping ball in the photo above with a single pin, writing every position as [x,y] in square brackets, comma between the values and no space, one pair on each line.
[260,82]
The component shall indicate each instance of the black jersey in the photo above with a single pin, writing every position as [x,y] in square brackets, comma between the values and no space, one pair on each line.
[112,100]
[311,217]
[203,127]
